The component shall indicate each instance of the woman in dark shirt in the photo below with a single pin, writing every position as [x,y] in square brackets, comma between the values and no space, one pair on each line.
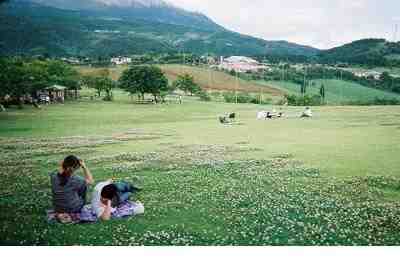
[69,190]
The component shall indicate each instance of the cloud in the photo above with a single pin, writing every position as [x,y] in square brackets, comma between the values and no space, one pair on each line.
[322,23]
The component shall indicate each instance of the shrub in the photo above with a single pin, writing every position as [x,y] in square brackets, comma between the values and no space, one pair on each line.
[259,99]
[216,95]
[229,97]
[282,101]
[244,97]
[108,98]
[204,96]
[306,100]
[376,101]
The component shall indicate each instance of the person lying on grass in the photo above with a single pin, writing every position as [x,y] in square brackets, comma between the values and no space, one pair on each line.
[69,190]
[108,195]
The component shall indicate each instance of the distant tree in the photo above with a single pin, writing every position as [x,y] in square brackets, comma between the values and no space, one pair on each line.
[101,82]
[109,85]
[15,79]
[186,83]
[88,81]
[164,94]
[21,77]
[144,79]
[386,80]
[61,73]
[322,92]
[204,96]
[104,84]
[303,89]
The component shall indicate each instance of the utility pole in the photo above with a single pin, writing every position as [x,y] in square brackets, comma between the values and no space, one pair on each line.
[237,86]
[305,79]
[341,88]
[209,70]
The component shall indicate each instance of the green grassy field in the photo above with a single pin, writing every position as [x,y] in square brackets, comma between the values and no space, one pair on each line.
[331,180]
[337,92]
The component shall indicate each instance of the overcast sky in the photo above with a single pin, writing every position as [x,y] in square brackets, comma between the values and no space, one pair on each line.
[319,23]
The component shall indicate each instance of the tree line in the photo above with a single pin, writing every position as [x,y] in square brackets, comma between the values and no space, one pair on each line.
[21,77]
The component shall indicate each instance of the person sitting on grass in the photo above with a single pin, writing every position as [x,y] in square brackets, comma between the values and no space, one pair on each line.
[108,195]
[307,113]
[69,190]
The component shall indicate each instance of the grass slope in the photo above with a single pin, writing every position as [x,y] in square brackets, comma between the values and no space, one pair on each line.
[337,91]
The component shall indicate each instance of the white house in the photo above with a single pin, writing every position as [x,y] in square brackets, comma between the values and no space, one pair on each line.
[374,74]
[241,64]
[121,60]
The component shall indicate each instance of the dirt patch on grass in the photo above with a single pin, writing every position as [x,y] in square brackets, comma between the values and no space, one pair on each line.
[390,124]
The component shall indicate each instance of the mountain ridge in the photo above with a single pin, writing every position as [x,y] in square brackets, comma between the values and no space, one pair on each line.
[153,10]
[61,32]
[369,51]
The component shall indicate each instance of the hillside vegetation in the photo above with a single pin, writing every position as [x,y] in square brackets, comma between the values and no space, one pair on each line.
[337,91]
[372,52]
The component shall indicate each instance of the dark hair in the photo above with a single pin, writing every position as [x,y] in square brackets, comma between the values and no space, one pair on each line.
[69,165]
[109,192]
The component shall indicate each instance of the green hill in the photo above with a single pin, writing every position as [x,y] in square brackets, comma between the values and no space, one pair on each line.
[28,28]
[373,52]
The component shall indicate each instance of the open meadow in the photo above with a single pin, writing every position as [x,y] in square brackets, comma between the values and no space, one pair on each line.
[330,180]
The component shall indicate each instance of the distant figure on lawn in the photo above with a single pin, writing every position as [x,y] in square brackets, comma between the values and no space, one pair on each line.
[269,115]
[108,195]
[69,190]
[228,118]
[307,113]
[223,120]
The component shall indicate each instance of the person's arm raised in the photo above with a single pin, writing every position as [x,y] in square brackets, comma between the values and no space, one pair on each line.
[86,172]
[107,212]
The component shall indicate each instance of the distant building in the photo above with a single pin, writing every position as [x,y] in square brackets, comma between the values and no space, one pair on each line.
[55,93]
[71,60]
[241,64]
[208,59]
[366,74]
[121,60]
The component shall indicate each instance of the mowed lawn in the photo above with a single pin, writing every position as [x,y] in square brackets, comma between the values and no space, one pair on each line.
[337,92]
[330,180]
